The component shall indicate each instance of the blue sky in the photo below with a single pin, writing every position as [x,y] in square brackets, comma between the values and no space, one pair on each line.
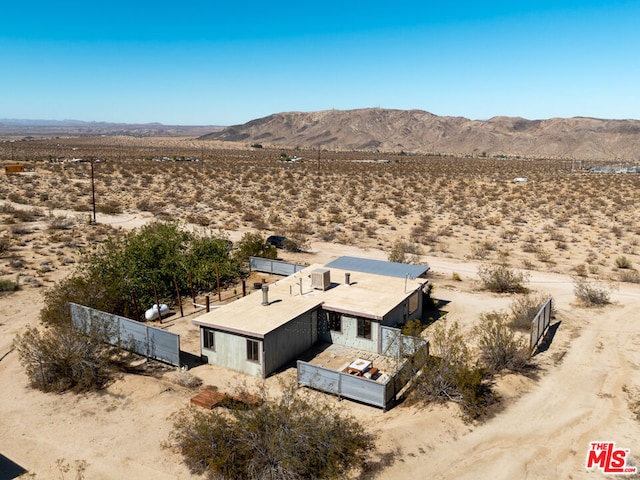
[211,63]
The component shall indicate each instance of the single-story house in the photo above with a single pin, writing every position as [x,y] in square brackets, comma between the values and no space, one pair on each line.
[346,301]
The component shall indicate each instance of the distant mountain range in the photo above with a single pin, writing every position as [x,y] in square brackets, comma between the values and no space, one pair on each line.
[411,131]
[10,126]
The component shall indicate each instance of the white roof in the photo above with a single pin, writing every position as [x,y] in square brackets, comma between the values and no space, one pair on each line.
[368,295]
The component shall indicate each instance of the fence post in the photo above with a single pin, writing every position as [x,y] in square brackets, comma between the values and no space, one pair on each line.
[207,302]
[193,296]
[244,288]
[155,293]
[135,306]
[175,283]
[218,282]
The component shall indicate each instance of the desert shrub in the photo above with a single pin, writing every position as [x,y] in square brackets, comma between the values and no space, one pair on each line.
[404,252]
[5,244]
[80,289]
[629,276]
[592,293]
[449,374]
[254,245]
[623,262]
[524,308]
[500,347]
[295,242]
[502,279]
[198,219]
[109,208]
[20,229]
[286,438]
[581,270]
[413,328]
[60,222]
[7,285]
[184,379]
[61,358]
[16,261]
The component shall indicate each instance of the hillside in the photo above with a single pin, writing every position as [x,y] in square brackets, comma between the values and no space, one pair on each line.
[420,131]
[47,128]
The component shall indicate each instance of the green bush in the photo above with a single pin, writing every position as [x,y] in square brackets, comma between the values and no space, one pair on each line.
[151,256]
[254,245]
[287,438]
[502,279]
[7,285]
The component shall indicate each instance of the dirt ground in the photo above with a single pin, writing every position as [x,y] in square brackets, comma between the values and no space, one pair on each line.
[583,393]
[559,225]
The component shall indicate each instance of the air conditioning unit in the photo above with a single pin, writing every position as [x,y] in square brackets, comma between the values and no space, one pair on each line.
[320,279]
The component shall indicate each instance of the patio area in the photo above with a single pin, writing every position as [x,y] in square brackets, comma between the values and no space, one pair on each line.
[347,360]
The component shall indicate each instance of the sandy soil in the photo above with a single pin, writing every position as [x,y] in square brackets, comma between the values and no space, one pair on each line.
[544,431]
[557,225]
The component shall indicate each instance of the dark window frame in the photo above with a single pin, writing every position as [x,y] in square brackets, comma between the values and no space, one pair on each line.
[209,339]
[253,350]
[364,328]
[334,319]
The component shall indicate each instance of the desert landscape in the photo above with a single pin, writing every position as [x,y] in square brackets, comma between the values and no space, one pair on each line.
[547,216]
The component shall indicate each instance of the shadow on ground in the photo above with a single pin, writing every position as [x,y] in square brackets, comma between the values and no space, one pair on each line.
[9,469]
[545,343]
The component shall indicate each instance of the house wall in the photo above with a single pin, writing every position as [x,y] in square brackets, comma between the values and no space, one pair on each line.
[349,334]
[290,340]
[231,352]
[400,314]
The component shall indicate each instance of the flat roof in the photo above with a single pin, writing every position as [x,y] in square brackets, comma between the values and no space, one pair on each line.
[379,267]
[368,295]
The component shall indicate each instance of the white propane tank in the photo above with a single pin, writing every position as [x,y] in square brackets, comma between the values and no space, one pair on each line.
[152,313]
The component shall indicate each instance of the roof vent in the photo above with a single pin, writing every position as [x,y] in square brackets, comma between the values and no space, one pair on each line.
[347,278]
[265,295]
[321,279]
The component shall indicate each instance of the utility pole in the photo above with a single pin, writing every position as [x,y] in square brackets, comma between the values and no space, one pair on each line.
[93,192]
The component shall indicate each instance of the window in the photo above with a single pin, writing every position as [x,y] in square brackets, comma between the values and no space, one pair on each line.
[414,301]
[209,339]
[335,321]
[252,350]
[364,328]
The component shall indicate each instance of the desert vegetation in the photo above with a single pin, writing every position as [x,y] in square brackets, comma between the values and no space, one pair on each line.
[462,365]
[289,437]
[561,220]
